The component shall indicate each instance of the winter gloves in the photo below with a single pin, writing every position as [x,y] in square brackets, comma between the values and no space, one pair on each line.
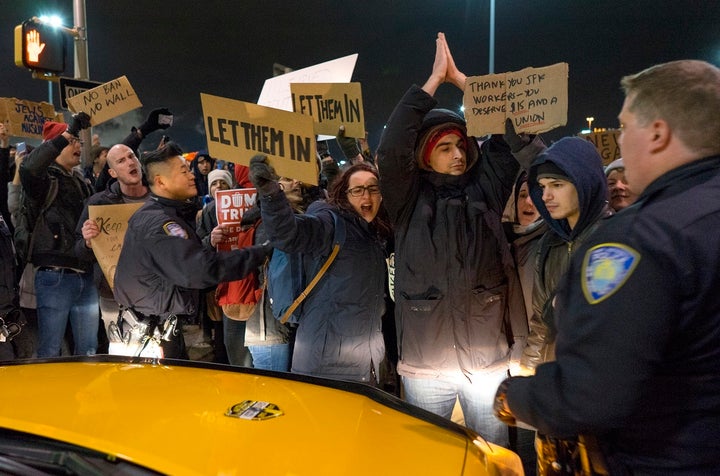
[157,119]
[263,175]
[79,122]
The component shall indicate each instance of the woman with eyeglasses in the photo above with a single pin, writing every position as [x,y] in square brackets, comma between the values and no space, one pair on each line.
[339,333]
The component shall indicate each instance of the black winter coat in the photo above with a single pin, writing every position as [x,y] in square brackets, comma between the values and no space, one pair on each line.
[451,285]
[340,331]
[55,242]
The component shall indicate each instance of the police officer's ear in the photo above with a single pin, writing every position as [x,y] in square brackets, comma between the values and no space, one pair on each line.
[661,135]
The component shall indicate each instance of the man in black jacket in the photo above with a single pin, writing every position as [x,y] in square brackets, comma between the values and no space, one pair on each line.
[453,269]
[63,283]
[163,264]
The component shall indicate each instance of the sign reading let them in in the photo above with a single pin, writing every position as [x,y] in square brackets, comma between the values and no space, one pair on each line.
[331,105]
[236,131]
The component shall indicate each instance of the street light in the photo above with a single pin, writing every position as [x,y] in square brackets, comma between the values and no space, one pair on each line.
[590,121]
[491,56]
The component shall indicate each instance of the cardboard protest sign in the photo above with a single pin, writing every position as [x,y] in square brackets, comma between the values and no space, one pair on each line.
[331,105]
[113,221]
[606,143]
[276,91]
[536,99]
[111,99]
[230,206]
[237,130]
[26,118]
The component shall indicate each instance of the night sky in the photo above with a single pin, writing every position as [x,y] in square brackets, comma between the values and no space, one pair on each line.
[173,50]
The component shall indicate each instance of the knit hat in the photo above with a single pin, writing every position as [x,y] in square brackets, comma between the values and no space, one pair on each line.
[435,134]
[438,120]
[53,129]
[220,174]
[551,170]
[614,165]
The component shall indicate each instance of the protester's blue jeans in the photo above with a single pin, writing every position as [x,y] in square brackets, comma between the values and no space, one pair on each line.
[63,295]
[476,400]
[234,338]
[271,357]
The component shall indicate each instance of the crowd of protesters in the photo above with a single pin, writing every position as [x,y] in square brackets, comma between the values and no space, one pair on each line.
[463,261]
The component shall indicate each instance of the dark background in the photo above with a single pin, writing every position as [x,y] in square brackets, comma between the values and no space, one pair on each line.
[172,50]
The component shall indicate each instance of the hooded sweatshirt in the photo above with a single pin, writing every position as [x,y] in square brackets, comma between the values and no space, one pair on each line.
[581,163]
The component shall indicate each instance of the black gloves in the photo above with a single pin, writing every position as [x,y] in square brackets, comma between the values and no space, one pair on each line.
[155,122]
[262,175]
[515,141]
[348,145]
[79,122]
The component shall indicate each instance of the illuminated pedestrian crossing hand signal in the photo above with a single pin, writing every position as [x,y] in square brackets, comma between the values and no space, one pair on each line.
[34,47]
[39,47]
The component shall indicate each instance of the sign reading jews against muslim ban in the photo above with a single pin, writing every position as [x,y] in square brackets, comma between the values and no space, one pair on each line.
[113,222]
[536,99]
[606,143]
[26,118]
[331,105]
[237,130]
[109,100]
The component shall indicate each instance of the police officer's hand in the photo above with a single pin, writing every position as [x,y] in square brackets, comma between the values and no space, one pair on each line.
[500,406]
[154,121]
[79,122]
[218,234]
[263,175]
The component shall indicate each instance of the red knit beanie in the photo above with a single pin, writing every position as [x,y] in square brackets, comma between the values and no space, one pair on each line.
[435,138]
[53,129]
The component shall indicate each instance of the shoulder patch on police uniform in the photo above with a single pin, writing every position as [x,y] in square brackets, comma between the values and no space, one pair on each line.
[606,267]
[174,229]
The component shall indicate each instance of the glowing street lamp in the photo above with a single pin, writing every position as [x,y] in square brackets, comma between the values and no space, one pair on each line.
[590,121]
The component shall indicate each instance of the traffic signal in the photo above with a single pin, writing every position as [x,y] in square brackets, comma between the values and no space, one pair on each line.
[40,47]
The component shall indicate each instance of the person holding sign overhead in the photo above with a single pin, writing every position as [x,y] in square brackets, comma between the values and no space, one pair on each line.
[163,264]
[453,269]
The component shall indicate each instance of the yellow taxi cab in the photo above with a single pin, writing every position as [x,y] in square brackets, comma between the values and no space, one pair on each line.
[134,416]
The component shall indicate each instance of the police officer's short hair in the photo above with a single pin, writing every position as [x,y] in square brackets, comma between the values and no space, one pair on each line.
[159,156]
[686,95]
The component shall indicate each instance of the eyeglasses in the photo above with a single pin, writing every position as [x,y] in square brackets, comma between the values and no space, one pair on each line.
[360,191]
[73,140]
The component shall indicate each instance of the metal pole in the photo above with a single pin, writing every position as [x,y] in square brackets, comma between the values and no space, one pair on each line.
[491,61]
[50,97]
[82,70]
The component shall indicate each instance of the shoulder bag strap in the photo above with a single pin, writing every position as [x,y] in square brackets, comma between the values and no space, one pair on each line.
[338,239]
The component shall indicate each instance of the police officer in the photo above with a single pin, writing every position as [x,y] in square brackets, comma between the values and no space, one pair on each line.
[638,360]
[163,263]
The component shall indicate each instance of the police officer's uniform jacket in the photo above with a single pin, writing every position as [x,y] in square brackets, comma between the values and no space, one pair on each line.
[163,264]
[638,345]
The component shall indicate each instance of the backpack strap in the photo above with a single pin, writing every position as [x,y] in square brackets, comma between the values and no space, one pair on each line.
[338,240]
[49,198]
